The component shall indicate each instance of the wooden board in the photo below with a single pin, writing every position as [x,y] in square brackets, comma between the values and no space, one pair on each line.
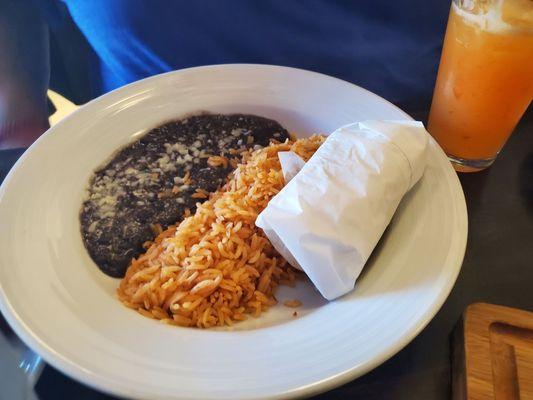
[493,354]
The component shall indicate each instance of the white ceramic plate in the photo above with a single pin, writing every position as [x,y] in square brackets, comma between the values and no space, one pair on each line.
[66,309]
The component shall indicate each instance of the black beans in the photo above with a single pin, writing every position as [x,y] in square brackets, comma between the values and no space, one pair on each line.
[143,184]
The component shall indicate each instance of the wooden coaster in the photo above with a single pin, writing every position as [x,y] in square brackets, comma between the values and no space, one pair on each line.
[493,354]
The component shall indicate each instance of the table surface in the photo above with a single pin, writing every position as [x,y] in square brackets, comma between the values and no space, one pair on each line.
[498,268]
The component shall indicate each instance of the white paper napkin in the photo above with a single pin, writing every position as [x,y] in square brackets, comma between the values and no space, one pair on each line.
[291,164]
[330,216]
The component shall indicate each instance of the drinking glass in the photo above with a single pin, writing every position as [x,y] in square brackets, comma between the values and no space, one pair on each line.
[485,79]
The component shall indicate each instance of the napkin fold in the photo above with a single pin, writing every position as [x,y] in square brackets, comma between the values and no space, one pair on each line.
[329,217]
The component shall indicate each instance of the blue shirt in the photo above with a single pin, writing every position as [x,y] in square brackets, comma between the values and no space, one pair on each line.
[389,47]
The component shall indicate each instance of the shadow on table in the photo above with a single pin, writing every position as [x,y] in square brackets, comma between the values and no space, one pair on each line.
[7,159]
[525,182]
[473,185]
[54,385]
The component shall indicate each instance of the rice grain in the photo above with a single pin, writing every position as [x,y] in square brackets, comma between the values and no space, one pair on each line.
[216,267]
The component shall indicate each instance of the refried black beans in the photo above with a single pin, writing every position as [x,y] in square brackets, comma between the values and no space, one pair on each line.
[150,183]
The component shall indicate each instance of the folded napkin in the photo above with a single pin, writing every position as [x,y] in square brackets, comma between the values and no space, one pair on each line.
[329,217]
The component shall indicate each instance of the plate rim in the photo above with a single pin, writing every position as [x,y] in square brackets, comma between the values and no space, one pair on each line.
[101,383]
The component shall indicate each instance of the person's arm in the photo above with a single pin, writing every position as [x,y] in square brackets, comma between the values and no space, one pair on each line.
[24,73]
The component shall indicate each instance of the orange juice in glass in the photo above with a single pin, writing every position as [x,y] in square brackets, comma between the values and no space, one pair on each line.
[485,79]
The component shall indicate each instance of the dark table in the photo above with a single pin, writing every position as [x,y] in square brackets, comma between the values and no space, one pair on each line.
[498,268]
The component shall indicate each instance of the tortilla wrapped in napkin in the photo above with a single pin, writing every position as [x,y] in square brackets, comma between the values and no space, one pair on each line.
[329,217]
